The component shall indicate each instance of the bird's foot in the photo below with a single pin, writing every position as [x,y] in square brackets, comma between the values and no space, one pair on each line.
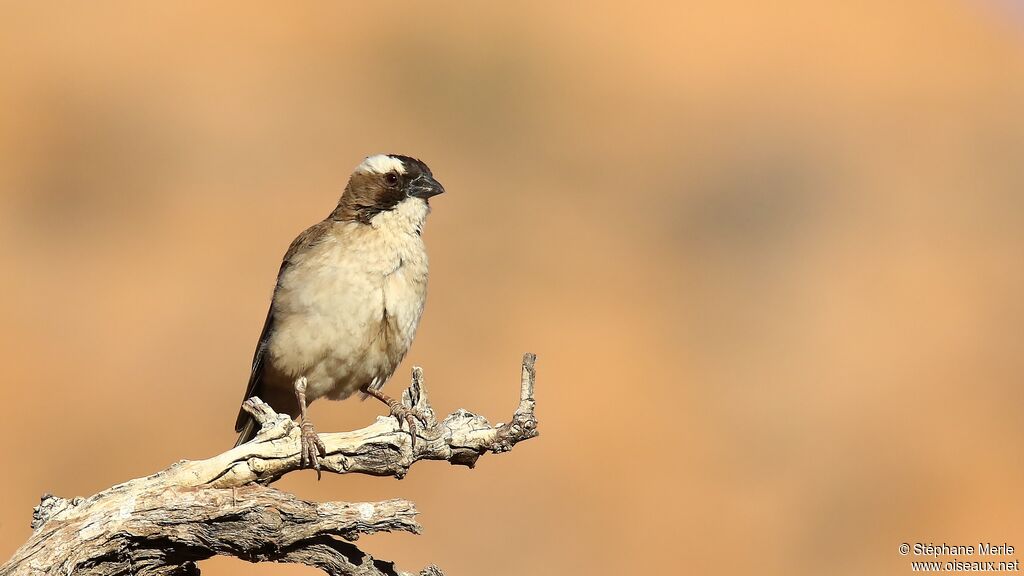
[310,448]
[400,411]
[410,415]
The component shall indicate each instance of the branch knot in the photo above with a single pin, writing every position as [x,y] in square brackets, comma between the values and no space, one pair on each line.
[193,510]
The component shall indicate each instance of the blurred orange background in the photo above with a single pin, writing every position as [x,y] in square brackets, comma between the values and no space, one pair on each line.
[770,255]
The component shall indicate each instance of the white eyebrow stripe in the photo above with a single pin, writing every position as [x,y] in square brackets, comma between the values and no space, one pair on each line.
[381,164]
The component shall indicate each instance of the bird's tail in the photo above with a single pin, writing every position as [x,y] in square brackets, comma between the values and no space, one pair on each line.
[247,433]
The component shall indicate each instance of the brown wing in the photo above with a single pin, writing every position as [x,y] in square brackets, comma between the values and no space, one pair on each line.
[308,238]
[255,375]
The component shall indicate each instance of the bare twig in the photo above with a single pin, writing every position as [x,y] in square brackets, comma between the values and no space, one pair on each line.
[193,510]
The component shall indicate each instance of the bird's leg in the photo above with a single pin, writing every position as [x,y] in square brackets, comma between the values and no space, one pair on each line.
[398,410]
[310,446]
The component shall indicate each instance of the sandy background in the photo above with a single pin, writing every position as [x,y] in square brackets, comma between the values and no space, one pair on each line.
[771,259]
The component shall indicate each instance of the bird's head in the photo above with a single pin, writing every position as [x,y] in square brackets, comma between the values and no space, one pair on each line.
[386,183]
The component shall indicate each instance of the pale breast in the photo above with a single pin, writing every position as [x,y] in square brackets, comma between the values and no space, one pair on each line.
[346,310]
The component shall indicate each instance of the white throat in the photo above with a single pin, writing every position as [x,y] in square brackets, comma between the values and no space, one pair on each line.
[406,218]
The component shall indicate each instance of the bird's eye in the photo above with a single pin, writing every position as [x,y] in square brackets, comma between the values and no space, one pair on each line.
[391,179]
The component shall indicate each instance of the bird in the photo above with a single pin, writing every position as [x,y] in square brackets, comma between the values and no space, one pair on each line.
[348,300]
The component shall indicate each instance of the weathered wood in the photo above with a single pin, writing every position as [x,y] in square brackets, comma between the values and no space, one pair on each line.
[193,510]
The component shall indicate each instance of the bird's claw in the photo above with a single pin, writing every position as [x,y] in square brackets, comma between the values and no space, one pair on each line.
[310,448]
[410,415]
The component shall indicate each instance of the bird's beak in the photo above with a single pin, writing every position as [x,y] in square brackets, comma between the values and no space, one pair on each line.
[425,186]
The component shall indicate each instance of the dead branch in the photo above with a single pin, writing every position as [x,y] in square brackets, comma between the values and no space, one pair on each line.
[167,522]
